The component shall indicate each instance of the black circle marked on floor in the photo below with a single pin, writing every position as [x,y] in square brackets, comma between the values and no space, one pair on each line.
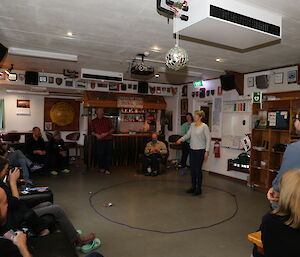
[106,213]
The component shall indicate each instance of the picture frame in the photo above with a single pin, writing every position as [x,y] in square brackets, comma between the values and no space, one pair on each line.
[58,81]
[80,84]
[114,87]
[292,77]
[51,80]
[184,106]
[69,83]
[43,79]
[278,78]
[184,91]
[250,82]
[12,77]
[21,77]
[102,85]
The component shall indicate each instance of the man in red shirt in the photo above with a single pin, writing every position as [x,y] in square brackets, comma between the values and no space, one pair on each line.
[102,129]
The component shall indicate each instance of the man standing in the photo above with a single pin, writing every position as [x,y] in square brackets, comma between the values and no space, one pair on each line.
[290,161]
[36,147]
[102,129]
[155,150]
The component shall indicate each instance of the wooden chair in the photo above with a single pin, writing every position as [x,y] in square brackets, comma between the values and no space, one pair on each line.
[255,238]
[72,143]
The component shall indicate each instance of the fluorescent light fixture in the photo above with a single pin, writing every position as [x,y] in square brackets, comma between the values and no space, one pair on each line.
[13,91]
[70,34]
[219,60]
[42,54]
[157,75]
[155,49]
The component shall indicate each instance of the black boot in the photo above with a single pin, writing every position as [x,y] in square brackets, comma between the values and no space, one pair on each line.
[198,191]
[191,190]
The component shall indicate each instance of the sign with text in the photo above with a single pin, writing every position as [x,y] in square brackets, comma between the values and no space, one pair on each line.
[130,102]
[257,97]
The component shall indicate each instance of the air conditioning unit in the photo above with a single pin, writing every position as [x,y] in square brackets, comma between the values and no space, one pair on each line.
[230,23]
[100,75]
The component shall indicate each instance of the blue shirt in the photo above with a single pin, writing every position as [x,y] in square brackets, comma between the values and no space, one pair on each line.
[291,160]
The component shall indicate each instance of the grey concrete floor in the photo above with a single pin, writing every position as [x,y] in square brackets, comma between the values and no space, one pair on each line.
[159,203]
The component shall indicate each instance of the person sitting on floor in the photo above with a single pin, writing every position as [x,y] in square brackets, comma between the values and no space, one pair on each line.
[16,158]
[281,227]
[16,210]
[58,158]
[35,147]
[154,152]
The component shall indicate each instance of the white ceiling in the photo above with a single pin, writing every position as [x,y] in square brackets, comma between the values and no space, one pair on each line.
[107,34]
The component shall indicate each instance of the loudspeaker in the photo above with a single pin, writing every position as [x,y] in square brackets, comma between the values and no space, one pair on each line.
[31,78]
[262,81]
[227,82]
[143,87]
[3,51]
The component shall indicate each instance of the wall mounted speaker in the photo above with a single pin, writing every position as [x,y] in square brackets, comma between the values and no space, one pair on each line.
[31,78]
[227,82]
[3,51]
[262,81]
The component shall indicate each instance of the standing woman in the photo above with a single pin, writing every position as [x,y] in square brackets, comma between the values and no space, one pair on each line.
[186,144]
[199,136]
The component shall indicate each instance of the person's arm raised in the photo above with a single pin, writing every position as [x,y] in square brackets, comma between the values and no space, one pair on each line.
[13,177]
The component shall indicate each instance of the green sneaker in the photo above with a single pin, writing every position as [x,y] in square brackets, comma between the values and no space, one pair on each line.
[54,173]
[66,171]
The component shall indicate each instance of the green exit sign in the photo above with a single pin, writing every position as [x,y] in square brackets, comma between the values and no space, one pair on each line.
[198,83]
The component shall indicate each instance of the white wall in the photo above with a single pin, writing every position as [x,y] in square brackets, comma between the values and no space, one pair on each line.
[24,123]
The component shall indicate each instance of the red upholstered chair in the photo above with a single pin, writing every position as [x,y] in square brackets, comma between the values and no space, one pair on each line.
[72,142]
[10,138]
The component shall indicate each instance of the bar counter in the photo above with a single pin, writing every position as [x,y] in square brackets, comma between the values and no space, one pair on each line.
[126,149]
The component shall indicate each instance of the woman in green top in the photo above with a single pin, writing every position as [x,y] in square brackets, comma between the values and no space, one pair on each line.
[186,144]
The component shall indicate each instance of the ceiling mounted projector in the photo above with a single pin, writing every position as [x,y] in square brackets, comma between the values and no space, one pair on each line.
[230,23]
[141,68]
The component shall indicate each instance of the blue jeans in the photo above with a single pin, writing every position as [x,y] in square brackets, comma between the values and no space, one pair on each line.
[18,159]
[196,161]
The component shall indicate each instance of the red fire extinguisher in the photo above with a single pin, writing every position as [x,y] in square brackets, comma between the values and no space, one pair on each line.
[217,149]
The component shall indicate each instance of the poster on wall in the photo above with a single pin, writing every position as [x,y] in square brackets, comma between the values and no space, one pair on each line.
[61,114]
[184,106]
[23,107]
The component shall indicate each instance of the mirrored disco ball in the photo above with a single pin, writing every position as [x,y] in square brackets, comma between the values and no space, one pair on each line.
[176,58]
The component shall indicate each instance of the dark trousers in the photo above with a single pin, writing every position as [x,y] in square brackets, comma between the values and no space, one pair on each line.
[185,153]
[57,162]
[196,159]
[36,158]
[104,154]
[152,161]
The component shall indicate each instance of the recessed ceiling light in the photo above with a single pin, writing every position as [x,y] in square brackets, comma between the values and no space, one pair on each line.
[155,49]
[157,75]
[70,34]
[219,60]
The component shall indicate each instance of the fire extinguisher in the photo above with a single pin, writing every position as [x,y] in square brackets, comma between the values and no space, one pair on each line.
[217,149]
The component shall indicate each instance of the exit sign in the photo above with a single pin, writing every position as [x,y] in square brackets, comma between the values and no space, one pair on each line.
[198,83]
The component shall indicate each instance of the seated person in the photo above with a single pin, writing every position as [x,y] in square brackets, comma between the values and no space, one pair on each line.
[36,148]
[18,159]
[17,208]
[281,227]
[154,152]
[15,245]
[58,159]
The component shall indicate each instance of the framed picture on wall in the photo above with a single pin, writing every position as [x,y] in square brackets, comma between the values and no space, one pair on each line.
[278,78]
[43,79]
[51,80]
[184,106]
[250,82]
[292,77]
[184,91]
